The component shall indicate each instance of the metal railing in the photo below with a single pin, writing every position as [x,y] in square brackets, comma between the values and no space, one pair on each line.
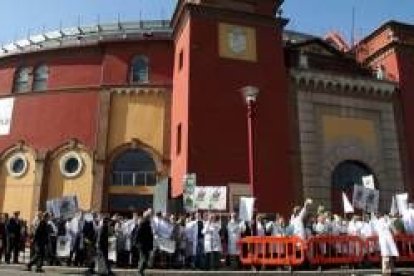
[134,178]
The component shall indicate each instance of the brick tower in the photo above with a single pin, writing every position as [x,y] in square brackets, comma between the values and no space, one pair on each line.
[220,47]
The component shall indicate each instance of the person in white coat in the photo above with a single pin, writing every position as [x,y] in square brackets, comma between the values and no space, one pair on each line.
[297,218]
[387,244]
[408,219]
[234,235]
[212,241]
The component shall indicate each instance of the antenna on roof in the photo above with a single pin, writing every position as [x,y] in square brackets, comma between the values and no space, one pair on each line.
[353,28]
[79,20]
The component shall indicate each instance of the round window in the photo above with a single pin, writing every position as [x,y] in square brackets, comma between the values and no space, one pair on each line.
[17,165]
[71,164]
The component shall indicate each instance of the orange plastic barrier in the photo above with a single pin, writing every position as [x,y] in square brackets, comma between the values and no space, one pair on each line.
[372,250]
[338,250]
[405,245]
[272,251]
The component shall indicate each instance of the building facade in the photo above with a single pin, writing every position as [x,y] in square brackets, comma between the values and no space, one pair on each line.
[105,112]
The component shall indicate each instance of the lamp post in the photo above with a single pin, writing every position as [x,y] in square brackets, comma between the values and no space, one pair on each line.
[250,95]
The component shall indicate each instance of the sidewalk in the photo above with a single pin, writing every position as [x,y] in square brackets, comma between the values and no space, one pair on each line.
[79,271]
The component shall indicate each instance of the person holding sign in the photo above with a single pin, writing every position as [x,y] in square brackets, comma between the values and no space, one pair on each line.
[234,235]
[212,242]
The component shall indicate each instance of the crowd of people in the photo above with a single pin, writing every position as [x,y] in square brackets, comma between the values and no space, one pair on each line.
[196,240]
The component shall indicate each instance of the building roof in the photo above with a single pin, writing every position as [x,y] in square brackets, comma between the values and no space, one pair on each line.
[89,35]
[390,23]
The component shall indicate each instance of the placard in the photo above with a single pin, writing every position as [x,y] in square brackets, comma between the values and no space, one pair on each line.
[402,202]
[358,198]
[210,198]
[348,209]
[368,182]
[160,196]
[63,246]
[112,249]
[372,200]
[166,245]
[190,181]
[65,207]
[246,208]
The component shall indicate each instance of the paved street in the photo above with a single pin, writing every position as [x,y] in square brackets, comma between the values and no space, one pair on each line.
[6,270]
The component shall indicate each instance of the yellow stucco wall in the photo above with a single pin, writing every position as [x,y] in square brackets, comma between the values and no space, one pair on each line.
[16,194]
[59,185]
[338,128]
[137,116]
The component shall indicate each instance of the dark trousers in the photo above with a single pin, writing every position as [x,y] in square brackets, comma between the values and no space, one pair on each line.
[3,247]
[13,247]
[213,260]
[79,258]
[143,261]
[104,252]
[38,257]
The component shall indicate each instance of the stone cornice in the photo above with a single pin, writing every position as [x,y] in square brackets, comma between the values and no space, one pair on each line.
[342,84]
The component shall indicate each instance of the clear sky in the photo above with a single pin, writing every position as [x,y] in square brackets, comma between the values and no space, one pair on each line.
[21,17]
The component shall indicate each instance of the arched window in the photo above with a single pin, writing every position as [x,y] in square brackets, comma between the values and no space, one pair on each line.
[40,77]
[345,175]
[348,173]
[139,72]
[134,167]
[21,80]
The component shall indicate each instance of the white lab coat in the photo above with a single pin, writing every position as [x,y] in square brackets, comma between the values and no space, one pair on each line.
[212,240]
[234,235]
[408,220]
[190,238]
[296,222]
[386,240]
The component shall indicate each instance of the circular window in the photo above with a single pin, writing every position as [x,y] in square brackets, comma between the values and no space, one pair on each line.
[71,164]
[17,165]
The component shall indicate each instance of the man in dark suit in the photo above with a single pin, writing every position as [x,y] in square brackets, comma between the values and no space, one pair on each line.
[14,229]
[144,241]
[40,242]
[103,244]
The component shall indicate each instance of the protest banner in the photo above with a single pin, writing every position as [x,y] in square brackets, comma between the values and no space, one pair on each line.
[372,200]
[246,208]
[64,207]
[210,198]
[190,181]
[402,202]
[358,198]
[166,245]
[368,182]
[347,204]
[394,207]
[112,249]
[160,196]
[63,246]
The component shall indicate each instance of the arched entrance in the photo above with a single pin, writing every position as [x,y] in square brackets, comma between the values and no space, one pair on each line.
[132,178]
[345,175]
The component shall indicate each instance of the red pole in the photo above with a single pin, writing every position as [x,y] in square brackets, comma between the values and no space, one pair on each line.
[250,132]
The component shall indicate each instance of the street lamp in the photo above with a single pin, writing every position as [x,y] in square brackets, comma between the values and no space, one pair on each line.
[250,94]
